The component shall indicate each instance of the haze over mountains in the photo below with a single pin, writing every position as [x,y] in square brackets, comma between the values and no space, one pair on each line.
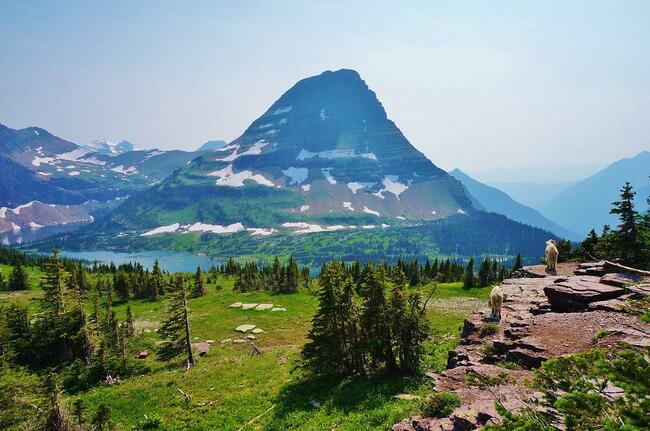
[586,204]
[494,200]
[324,158]
[322,173]
[46,180]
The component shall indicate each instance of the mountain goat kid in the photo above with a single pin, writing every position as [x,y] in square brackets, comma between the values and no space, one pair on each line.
[496,300]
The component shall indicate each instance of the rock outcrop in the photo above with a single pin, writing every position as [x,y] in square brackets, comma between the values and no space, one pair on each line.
[544,316]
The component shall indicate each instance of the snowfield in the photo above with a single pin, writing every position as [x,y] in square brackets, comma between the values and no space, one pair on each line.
[391,185]
[226,177]
[369,211]
[296,175]
[356,186]
[334,154]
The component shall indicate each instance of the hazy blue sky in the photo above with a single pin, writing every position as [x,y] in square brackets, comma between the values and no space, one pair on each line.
[475,85]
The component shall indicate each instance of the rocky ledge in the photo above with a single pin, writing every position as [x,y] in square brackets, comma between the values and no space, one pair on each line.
[544,315]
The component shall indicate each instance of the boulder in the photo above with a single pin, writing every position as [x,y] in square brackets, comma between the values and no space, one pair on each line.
[244,328]
[577,292]
[202,348]
[142,355]
[235,305]
[262,307]
[278,309]
[248,306]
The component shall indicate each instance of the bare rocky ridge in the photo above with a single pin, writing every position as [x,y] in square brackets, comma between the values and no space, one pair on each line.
[544,316]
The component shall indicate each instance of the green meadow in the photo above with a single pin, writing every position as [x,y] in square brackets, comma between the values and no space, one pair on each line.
[231,389]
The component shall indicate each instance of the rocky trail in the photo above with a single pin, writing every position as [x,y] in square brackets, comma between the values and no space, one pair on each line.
[580,307]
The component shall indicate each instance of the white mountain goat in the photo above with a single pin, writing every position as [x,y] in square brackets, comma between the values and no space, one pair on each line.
[496,300]
[551,255]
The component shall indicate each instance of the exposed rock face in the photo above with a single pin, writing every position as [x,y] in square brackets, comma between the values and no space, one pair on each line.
[543,316]
[576,293]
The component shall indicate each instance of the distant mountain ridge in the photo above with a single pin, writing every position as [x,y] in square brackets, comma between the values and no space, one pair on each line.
[37,166]
[494,200]
[586,204]
[104,146]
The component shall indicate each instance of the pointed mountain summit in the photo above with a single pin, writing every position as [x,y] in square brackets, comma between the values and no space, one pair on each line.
[324,153]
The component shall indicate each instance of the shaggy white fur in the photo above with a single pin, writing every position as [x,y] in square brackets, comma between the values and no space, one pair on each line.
[550,254]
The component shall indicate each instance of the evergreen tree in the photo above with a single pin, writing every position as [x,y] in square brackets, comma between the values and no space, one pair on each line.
[175,331]
[198,288]
[78,409]
[327,342]
[588,246]
[375,318]
[291,277]
[18,280]
[468,280]
[54,287]
[484,273]
[627,233]
[84,332]
[157,285]
[517,264]
[54,419]
[129,326]
[18,338]
[102,418]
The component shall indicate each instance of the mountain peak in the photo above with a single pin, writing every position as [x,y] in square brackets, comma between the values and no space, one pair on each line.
[104,146]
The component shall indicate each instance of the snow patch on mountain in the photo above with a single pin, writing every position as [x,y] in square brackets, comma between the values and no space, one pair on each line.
[328,175]
[356,186]
[369,211]
[226,177]
[296,175]
[74,155]
[334,154]
[282,110]
[128,171]
[348,206]
[261,231]
[391,185]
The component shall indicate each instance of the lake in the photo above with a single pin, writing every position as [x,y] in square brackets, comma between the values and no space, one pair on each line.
[171,261]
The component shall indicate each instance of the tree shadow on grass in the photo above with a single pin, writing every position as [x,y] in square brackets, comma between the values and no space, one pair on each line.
[302,396]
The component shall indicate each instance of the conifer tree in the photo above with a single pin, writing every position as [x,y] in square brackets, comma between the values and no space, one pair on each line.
[175,331]
[157,281]
[18,280]
[18,338]
[84,332]
[374,318]
[291,276]
[198,288]
[326,343]
[54,287]
[517,264]
[78,409]
[54,419]
[468,280]
[484,273]
[102,418]
[129,326]
[627,233]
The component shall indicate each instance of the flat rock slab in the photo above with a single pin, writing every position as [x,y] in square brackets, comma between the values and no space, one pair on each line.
[619,279]
[248,306]
[257,331]
[577,292]
[278,309]
[262,307]
[235,305]
[244,328]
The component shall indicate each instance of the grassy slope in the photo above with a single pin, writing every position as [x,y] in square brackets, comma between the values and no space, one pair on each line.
[229,387]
